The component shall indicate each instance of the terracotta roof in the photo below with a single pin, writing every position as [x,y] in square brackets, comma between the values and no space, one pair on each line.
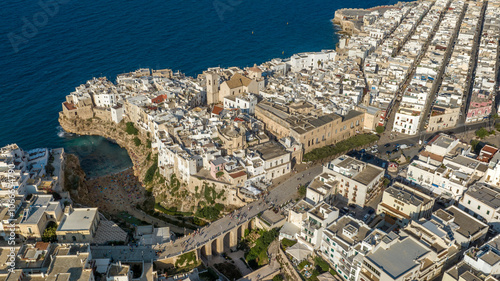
[217,109]
[159,99]
[69,106]
[42,246]
[490,149]
[238,174]
[432,156]
[237,81]
[238,119]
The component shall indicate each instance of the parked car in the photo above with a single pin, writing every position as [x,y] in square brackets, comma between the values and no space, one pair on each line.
[366,217]
[403,146]
[375,146]
[387,144]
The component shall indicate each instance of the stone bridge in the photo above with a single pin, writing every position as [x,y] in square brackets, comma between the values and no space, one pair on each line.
[226,241]
[224,234]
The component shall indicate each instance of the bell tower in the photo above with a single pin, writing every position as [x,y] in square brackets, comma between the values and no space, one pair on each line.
[212,87]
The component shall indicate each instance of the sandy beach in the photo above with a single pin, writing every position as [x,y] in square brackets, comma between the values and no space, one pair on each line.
[116,192]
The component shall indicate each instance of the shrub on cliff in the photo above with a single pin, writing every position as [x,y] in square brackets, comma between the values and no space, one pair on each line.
[210,213]
[131,130]
[148,178]
[137,141]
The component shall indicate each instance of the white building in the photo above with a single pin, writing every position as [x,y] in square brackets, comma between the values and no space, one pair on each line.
[245,102]
[356,178]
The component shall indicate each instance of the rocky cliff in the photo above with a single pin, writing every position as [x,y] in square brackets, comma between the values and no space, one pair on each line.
[74,178]
[115,132]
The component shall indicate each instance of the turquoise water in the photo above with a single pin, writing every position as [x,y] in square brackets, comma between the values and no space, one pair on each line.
[98,156]
[48,49]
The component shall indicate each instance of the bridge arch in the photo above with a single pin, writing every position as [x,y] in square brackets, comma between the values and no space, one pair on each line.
[215,246]
[226,242]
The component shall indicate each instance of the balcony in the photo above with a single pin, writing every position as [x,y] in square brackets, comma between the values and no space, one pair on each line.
[364,275]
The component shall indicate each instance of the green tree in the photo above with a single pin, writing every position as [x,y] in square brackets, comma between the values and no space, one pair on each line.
[340,147]
[49,234]
[321,263]
[302,190]
[261,245]
[482,133]
[380,129]
[474,144]
[210,213]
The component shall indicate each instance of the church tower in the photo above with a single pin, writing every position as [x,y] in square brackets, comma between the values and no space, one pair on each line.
[212,87]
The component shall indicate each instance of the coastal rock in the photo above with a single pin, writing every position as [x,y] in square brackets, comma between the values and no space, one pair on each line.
[74,177]
[116,133]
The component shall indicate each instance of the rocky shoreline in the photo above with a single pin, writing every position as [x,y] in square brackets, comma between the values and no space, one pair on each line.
[115,133]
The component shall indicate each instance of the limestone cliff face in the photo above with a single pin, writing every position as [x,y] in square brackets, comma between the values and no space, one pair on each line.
[115,132]
[74,177]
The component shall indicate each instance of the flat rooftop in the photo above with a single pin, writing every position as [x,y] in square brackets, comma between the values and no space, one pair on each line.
[399,258]
[79,219]
[270,150]
[368,174]
[487,195]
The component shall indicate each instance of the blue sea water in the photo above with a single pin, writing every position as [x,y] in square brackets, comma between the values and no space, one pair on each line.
[75,40]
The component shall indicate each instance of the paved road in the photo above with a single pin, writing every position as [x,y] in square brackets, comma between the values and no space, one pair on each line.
[280,194]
